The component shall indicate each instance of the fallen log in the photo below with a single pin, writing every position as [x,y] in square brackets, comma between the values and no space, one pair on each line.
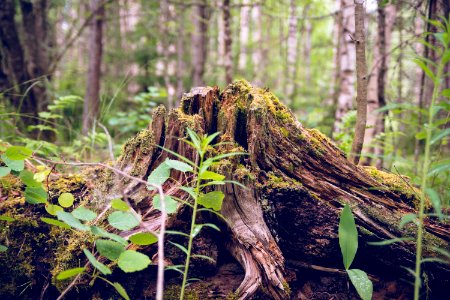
[282,230]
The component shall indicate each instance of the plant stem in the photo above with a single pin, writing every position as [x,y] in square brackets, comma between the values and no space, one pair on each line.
[423,185]
[191,237]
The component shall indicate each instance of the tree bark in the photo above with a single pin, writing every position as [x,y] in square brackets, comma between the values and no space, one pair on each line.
[244,36]
[376,86]
[292,51]
[199,41]
[228,59]
[92,98]
[347,65]
[282,230]
[361,81]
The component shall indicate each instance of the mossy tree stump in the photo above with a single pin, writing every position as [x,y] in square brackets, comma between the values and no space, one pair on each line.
[284,226]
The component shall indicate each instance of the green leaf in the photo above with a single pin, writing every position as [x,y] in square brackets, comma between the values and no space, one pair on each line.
[15,165]
[446,92]
[143,238]
[178,165]
[53,209]
[132,261]
[3,248]
[441,134]
[439,167]
[390,241]
[348,236]
[211,175]
[66,200]
[109,249]
[181,247]
[55,222]
[425,68]
[212,200]
[28,179]
[69,273]
[18,153]
[436,202]
[189,190]
[158,176]
[120,289]
[98,265]
[195,139]
[82,213]
[71,220]
[35,195]
[4,171]
[362,283]
[6,218]
[123,220]
[103,233]
[171,205]
[408,218]
[119,204]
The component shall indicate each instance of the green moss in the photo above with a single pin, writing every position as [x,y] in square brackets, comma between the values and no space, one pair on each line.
[287,288]
[275,181]
[284,132]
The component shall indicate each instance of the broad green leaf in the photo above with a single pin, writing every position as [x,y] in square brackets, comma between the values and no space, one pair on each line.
[119,204]
[53,208]
[435,201]
[28,179]
[391,241]
[82,213]
[439,167]
[421,135]
[121,290]
[35,195]
[211,175]
[15,165]
[6,218]
[178,165]
[66,200]
[133,261]
[425,68]
[103,233]
[3,248]
[109,249]
[362,283]
[54,222]
[71,220]
[98,265]
[408,218]
[4,171]
[212,200]
[441,134]
[143,238]
[171,205]
[69,273]
[18,153]
[158,176]
[348,236]
[123,220]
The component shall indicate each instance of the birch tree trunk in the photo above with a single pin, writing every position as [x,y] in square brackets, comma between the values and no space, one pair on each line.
[347,60]
[376,86]
[244,36]
[228,59]
[259,57]
[292,51]
[92,98]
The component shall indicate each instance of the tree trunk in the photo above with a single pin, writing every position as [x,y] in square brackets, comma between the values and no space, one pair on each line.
[228,59]
[199,41]
[92,98]
[361,81]
[376,85]
[259,53]
[282,230]
[347,61]
[292,51]
[244,36]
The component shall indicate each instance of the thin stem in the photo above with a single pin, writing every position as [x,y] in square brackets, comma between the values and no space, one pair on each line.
[191,238]
[160,281]
[423,186]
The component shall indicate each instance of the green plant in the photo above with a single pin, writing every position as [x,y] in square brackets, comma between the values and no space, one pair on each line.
[202,179]
[348,242]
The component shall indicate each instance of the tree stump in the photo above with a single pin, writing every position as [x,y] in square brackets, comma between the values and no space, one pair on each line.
[282,229]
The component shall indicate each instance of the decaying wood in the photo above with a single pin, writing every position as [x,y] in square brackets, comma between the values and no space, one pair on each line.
[282,229]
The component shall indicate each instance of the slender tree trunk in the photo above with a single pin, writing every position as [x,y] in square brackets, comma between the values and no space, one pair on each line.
[307,50]
[336,84]
[199,41]
[180,53]
[361,80]
[228,62]
[259,53]
[346,65]
[292,51]
[376,87]
[92,98]
[244,36]
[167,71]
